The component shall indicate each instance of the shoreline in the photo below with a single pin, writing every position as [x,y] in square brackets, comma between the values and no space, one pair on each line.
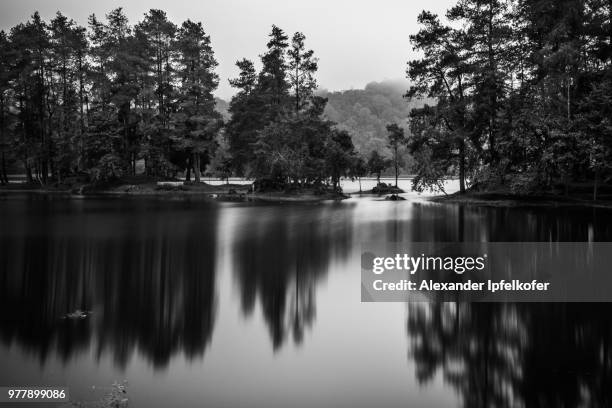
[242,193]
[497,199]
[220,193]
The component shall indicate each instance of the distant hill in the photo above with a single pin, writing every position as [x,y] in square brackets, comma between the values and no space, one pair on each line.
[222,107]
[365,113]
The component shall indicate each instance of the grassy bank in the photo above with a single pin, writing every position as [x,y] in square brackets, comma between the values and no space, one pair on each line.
[145,186]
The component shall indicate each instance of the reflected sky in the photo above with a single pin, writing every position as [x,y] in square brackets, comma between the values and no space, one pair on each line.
[259,305]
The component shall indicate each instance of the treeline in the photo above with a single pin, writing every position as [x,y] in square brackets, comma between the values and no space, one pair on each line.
[114,99]
[95,101]
[523,94]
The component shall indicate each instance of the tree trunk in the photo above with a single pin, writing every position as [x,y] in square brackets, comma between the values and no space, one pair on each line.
[595,185]
[44,171]
[81,160]
[569,81]
[359,178]
[196,167]
[492,96]
[188,172]
[396,173]
[29,177]
[3,174]
[462,168]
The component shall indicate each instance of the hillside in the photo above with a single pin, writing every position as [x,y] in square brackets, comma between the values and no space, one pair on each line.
[365,113]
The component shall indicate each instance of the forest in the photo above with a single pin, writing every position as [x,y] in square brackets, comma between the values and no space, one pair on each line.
[365,113]
[114,100]
[523,93]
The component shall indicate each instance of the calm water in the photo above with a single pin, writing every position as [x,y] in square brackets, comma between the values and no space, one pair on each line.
[205,304]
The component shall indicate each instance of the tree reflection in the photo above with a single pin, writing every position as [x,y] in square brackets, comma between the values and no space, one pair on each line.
[147,275]
[281,256]
[474,347]
[516,355]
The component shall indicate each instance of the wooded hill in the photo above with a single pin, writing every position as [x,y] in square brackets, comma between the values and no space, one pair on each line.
[365,113]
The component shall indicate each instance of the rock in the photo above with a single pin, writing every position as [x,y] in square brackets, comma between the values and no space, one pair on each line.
[394,197]
[77,314]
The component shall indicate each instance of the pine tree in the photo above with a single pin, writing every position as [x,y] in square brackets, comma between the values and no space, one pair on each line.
[247,117]
[159,33]
[113,135]
[272,82]
[487,34]
[68,47]
[157,36]
[301,69]
[195,122]
[443,73]
[6,76]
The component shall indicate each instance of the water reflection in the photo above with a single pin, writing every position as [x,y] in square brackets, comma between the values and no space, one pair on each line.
[516,355]
[146,273]
[281,255]
[162,278]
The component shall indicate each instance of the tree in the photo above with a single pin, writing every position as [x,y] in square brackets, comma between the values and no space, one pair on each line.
[159,34]
[261,99]
[247,117]
[221,162]
[359,169]
[6,77]
[272,82]
[340,154]
[195,122]
[441,74]
[377,164]
[114,133]
[396,140]
[487,32]
[68,49]
[29,55]
[301,68]
[247,78]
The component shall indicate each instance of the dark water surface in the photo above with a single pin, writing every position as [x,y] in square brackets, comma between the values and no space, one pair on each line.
[205,304]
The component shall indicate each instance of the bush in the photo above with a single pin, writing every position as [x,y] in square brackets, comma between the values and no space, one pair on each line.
[109,167]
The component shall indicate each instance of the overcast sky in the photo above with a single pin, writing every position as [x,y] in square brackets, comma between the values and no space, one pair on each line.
[356,41]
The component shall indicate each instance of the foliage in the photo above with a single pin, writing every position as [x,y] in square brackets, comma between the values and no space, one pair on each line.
[277,133]
[365,113]
[522,94]
[377,164]
[98,100]
[397,140]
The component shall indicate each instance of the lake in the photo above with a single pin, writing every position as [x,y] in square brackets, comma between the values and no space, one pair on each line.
[250,305]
